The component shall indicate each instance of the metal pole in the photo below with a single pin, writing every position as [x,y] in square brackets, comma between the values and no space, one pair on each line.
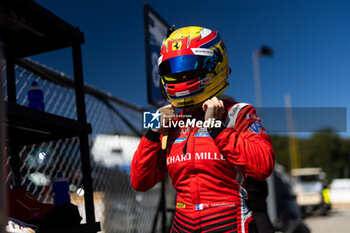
[83,137]
[293,141]
[3,154]
[163,203]
[271,198]
[11,96]
[11,78]
[146,8]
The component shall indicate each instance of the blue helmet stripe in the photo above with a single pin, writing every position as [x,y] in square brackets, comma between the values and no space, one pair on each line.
[213,42]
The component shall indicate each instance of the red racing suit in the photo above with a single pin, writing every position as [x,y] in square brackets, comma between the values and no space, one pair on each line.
[207,169]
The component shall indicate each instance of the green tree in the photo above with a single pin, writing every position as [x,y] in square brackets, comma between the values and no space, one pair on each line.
[324,149]
[280,146]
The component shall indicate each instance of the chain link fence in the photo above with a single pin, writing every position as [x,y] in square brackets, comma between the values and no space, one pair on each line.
[117,127]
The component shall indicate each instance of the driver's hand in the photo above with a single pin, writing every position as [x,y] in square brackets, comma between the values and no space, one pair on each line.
[167,113]
[214,109]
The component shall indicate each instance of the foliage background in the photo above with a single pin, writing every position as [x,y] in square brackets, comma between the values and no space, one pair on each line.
[325,149]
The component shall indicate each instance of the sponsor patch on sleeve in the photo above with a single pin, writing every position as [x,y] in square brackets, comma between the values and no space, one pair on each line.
[256,127]
[180,205]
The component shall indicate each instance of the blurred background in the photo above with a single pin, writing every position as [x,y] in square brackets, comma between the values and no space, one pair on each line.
[308,67]
[310,42]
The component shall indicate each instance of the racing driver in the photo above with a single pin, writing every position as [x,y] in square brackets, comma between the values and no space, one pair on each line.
[211,146]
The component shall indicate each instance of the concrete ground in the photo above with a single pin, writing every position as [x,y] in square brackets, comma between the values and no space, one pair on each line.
[337,221]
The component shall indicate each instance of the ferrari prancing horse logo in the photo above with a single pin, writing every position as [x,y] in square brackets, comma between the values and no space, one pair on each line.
[176,45]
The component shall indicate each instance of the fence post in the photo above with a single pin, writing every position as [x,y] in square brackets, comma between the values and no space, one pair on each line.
[83,137]
[12,98]
[3,154]
[163,208]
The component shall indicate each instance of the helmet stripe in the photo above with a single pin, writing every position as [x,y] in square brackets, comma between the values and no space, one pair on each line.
[212,43]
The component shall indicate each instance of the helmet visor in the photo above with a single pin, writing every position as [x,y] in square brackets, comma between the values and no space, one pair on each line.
[180,64]
[183,76]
